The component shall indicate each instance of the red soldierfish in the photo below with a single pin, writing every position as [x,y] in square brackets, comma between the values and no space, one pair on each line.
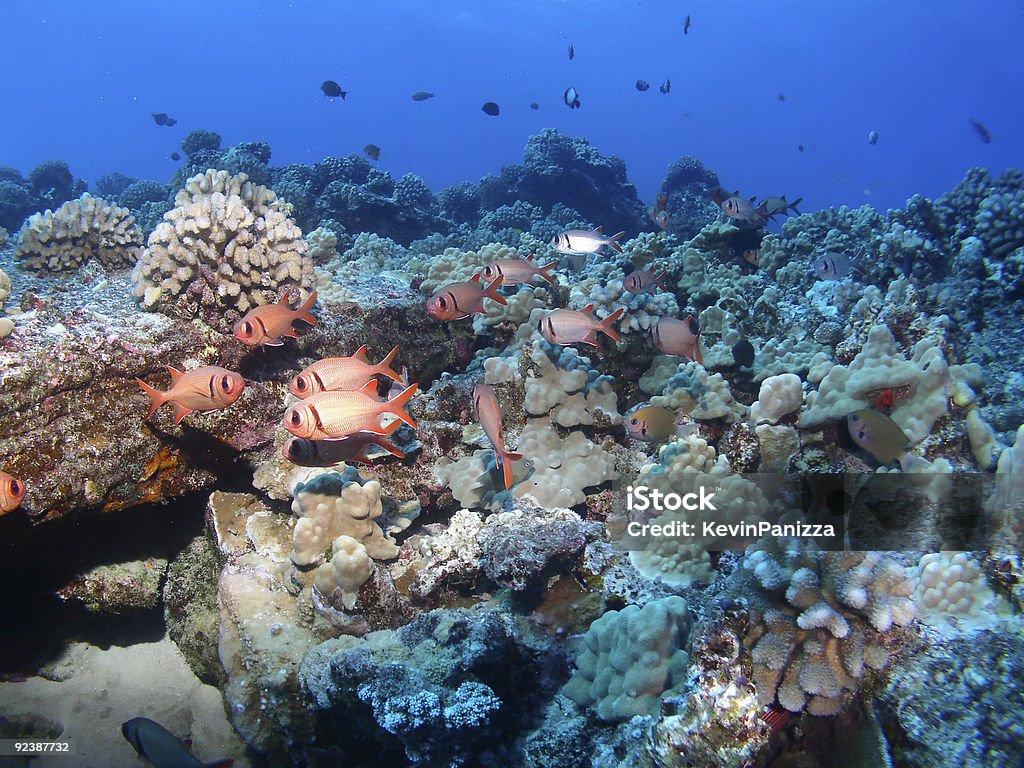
[643,280]
[353,449]
[332,415]
[161,747]
[489,415]
[267,324]
[568,326]
[518,271]
[12,491]
[743,211]
[203,389]
[678,337]
[456,301]
[350,372]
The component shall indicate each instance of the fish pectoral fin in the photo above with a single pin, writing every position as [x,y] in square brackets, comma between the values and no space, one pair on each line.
[291,333]
[274,342]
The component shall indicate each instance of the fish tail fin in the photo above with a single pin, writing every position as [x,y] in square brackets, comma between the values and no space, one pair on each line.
[697,354]
[491,291]
[303,313]
[608,322]
[396,405]
[794,204]
[545,271]
[381,442]
[659,280]
[384,366]
[505,462]
[613,238]
[156,397]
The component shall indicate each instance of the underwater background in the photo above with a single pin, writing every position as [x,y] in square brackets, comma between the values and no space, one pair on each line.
[573,384]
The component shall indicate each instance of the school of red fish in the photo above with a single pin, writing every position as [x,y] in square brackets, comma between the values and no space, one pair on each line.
[339,414]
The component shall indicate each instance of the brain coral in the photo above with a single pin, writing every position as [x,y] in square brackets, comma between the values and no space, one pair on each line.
[228,245]
[80,230]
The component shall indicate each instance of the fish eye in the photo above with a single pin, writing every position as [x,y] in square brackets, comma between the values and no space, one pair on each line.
[442,302]
[247,328]
[225,383]
[634,421]
[300,383]
[295,418]
[15,487]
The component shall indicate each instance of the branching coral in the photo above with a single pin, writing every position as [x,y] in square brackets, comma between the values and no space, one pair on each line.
[77,232]
[226,247]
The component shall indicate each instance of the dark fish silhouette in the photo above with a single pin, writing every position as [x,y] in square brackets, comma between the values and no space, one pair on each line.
[642,85]
[686,25]
[332,90]
[175,156]
[743,353]
[782,97]
[800,147]
[161,747]
[572,53]
[491,109]
[982,130]
[666,86]
[372,151]
[872,137]
[422,96]
[571,98]
[534,106]
[162,118]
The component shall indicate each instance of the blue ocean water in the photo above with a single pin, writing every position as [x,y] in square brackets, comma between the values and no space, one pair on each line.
[82,80]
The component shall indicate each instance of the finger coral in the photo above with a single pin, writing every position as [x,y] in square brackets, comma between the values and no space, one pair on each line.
[228,245]
[79,231]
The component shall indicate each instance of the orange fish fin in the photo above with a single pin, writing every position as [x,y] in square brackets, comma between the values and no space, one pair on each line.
[387,445]
[530,257]
[599,229]
[303,313]
[391,427]
[180,411]
[613,238]
[514,456]
[175,374]
[589,308]
[491,291]
[360,354]
[505,462]
[545,272]
[475,278]
[290,333]
[156,397]
[396,405]
[697,354]
[370,389]
[608,322]
[384,366]
[659,280]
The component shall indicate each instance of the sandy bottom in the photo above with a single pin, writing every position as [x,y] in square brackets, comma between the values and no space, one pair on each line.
[89,692]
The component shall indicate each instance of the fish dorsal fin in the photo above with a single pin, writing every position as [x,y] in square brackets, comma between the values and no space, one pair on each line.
[175,374]
[360,354]
[284,300]
[530,257]
[370,388]
[475,278]
[600,229]
[589,308]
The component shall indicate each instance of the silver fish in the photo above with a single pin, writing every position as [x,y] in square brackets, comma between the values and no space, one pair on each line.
[580,241]
[572,99]
[833,266]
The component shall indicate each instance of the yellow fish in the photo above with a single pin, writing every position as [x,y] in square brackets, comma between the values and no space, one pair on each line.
[651,423]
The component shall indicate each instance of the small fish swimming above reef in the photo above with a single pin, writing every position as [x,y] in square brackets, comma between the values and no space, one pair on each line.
[743,212]
[773,206]
[833,266]
[642,85]
[678,337]
[982,130]
[643,280]
[665,87]
[269,323]
[572,53]
[456,301]
[569,326]
[872,137]
[485,403]
[335,373]
[490,108]
[422,96]
[162,118]
[882,437]
[372,151]
[518,271]
[161,747]
[651,423]
[332,90]
[353,449]
[571,98]
[580,241]
[175,156]
[12,491]
[782,97]
[686,25]
[333,415]
[208,388]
